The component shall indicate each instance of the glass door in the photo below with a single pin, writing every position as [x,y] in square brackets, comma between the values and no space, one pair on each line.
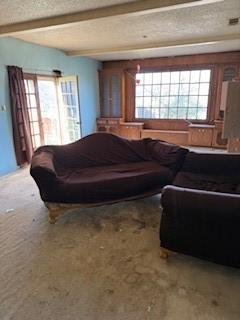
[50,112]
[33,108]
[69,105]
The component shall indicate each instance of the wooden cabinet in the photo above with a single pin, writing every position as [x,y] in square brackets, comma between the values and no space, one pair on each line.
[218,141]
[131,130]
[234,145]
[200,135]
[111,84]
[110,125]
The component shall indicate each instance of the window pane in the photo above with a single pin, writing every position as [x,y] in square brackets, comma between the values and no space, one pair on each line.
[147,113]
[202,113]
[204,88]
[195,76]
[156,77]
[205,75]
[184,76]
[164,102]
[35,128]
[175,77]
[174,89]
[192,113]
[139,102]
[183,101]
[165,90]
[193,101]
[139,91]
[37,141]
[182,113]
[139,113]
[173,102]
[148,78]
[184,89]
[163,113]
[31,87]
[203,102]
[155,113]
[33,101]
[33,115]
[194,88]
[155,102]
[156,90]
[147,102]
[166,77]
[26,86]
[148,91]
[173,113]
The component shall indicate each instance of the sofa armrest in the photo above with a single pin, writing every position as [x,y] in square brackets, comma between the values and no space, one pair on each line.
[42,166]
[212,163]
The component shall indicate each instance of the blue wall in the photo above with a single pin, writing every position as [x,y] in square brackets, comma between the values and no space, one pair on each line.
[30,56]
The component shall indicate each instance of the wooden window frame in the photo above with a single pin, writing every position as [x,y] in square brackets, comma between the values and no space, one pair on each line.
[185,122]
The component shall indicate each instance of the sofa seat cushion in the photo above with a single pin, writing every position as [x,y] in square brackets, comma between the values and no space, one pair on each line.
[107,183]
[216,183]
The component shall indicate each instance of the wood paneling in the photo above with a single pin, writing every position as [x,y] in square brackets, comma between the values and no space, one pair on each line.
[176,131]
[234,145]
[131,130]
[188,60]
[176,137]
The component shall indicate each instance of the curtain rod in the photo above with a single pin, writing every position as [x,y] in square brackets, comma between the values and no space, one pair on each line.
[36,70]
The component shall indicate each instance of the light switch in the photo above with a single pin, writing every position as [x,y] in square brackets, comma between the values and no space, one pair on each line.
[3,108]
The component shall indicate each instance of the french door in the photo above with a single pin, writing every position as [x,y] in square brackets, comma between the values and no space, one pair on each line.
[69,102]
[33,107]
[53,108]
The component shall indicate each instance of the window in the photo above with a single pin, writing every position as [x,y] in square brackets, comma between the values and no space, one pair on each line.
[172,95]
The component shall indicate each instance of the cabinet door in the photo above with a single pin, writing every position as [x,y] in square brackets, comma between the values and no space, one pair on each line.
[200,137]
[110,93]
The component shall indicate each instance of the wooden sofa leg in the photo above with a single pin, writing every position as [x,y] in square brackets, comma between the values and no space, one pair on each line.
[54,212]
[164,253]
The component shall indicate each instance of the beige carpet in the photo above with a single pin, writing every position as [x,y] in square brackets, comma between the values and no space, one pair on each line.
[101,264]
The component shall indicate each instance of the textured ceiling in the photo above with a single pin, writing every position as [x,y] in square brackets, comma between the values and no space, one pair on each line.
[108,34]
[12,11]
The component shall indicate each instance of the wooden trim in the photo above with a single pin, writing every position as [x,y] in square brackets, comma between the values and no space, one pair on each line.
[149,123]
[188,60]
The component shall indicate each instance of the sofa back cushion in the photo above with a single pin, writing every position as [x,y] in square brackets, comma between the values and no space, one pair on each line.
[100,149]
[169,155]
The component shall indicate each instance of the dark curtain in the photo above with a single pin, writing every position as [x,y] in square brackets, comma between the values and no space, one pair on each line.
[20,119]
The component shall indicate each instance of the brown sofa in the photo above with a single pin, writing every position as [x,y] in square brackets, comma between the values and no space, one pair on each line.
[103,168]
[201,210]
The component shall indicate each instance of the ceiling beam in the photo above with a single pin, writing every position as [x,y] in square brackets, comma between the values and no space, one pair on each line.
[150,46]
[132,8]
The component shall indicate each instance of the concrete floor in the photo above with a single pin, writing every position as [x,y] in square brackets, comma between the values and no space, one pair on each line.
[101,264]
